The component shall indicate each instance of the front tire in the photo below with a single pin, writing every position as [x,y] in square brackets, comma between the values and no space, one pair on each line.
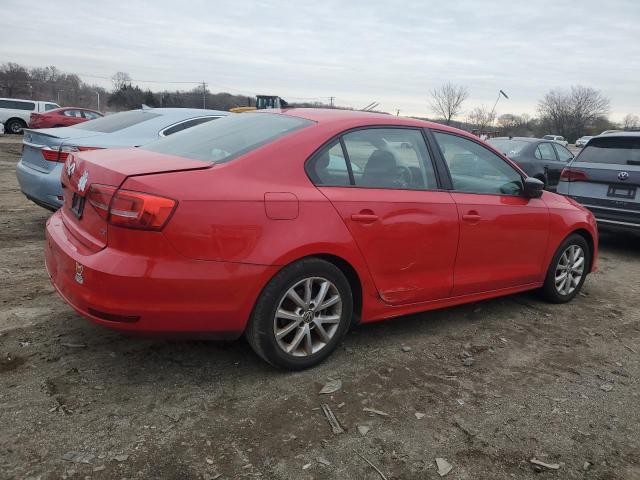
[568,270]
[301,315]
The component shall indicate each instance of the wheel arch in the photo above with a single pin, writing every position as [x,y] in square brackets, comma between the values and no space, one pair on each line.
[352,276]
[586,234]
[345,266]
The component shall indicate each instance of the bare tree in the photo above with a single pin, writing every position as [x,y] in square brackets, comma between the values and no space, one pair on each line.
[119,80]
[14,79]
[631,122]
[480,118]
[570,112]
[446,100]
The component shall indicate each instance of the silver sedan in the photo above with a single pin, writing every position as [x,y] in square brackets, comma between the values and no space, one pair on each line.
[45,151]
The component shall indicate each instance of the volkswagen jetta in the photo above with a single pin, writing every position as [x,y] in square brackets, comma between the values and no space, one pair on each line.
[289,225]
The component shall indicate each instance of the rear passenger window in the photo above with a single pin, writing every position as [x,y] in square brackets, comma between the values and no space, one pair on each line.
[184,125]
[545,152]
[475,169]
[564,155]
[23,105]
[395,158]
[329,167]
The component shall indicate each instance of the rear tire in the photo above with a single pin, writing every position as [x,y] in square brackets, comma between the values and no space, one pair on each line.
[301,315]
[15,126]
[568,270]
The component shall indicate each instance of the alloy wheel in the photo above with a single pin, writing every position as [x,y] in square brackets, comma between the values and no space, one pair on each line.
[307,317]
[569,270]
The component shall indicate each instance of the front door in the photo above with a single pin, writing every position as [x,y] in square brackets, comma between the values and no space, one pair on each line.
[383,184]
[503,235]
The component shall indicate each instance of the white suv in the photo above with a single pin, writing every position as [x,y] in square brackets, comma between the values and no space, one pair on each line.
[557,139]
[15,113]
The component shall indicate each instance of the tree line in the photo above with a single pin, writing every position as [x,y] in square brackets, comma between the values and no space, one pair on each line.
[51,84]
[571,112]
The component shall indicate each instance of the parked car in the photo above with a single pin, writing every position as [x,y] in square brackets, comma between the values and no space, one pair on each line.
[556,138]
[62,117]
[15,113]
[605,178]
[236,227]
[539,158]
[582,141]
[44,151]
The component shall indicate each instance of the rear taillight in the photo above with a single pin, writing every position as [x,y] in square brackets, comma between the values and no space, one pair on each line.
[99,197]
[126,208]
[61,155]
[573,175]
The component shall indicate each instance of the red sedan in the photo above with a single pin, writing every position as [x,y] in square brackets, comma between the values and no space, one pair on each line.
[62,117]
[288,226]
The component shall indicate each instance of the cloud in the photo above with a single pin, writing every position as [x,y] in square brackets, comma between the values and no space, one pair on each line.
[357,51]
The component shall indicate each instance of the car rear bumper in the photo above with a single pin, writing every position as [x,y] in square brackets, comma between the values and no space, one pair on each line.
[42,188]
[612,218]
[168,295]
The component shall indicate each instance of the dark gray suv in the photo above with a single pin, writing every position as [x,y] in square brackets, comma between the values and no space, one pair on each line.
[605,178]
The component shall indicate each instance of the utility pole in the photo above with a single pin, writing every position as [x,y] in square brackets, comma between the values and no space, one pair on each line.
[204,95]
[98,94]
[398,113]
[331,99]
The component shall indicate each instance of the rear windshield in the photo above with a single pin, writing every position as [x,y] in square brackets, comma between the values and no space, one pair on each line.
[549,137]
[612,150]
[117,121]
[508,147]
[229,137]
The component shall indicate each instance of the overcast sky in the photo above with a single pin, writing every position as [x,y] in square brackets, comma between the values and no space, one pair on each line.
[392,52]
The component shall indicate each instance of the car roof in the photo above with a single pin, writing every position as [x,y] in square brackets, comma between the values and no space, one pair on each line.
[354,118]
[183,112]
[619,134]
[521,139]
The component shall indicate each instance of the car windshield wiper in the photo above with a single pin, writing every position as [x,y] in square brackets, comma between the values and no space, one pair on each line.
[633,162]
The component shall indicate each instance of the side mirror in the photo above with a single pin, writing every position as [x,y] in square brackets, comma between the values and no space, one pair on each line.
[533,187]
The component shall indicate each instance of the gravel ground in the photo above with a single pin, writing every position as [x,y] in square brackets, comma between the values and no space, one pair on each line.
[554,383]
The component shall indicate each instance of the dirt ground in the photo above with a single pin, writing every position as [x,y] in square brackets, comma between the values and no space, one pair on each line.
[555,383]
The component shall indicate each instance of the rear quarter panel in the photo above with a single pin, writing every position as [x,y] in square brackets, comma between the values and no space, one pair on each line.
[222,216]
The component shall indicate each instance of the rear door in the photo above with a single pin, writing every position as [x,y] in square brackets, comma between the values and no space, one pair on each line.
[383,184]
[503,235]
[611,188]
[546,154]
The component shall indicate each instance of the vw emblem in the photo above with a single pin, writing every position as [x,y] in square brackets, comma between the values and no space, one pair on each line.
[307,317]
[82,183]
[623,176]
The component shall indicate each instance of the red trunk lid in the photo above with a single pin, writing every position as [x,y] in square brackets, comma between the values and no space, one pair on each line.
[108,167]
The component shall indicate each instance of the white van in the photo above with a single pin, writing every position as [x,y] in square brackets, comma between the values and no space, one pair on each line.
[15,113]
